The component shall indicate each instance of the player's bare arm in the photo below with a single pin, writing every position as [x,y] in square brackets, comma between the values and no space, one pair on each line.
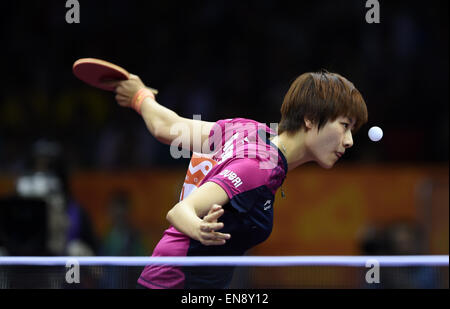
[163,123]
[196,216]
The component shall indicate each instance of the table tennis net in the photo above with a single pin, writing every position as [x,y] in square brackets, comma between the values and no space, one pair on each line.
[321,272]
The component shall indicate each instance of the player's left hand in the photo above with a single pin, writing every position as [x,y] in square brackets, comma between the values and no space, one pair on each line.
[208,235]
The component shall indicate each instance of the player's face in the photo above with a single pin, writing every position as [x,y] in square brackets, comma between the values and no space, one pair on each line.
[330,143]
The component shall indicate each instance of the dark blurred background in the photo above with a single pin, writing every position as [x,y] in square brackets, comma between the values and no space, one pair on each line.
[220,59]
[80,175]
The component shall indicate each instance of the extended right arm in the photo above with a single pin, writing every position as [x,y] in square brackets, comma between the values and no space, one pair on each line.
[160,120]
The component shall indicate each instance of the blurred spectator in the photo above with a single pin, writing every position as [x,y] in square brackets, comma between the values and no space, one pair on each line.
[122,238]
[68,226]
[43,219]
[400,238]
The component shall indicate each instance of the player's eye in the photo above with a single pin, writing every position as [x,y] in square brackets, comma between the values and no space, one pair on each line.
[346,125]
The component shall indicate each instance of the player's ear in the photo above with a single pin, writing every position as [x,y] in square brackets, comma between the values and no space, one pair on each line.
[309,124]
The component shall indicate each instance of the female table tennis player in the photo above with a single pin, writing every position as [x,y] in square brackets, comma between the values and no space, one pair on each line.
[226,206]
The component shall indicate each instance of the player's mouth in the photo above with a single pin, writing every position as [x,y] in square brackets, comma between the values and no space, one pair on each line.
[339,154]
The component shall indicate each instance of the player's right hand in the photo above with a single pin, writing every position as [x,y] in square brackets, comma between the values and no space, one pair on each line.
[127,89]
[207,234]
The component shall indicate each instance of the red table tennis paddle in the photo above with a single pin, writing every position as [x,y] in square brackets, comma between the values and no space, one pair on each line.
[96,72]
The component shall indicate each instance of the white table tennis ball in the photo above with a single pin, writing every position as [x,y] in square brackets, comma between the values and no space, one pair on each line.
[375,134]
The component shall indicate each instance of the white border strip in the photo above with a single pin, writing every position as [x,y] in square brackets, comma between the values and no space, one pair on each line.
[354,261]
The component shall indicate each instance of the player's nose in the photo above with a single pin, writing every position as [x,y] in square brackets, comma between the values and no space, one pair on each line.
[348,139]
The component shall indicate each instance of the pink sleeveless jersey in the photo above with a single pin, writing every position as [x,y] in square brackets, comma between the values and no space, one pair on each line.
[250,169]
